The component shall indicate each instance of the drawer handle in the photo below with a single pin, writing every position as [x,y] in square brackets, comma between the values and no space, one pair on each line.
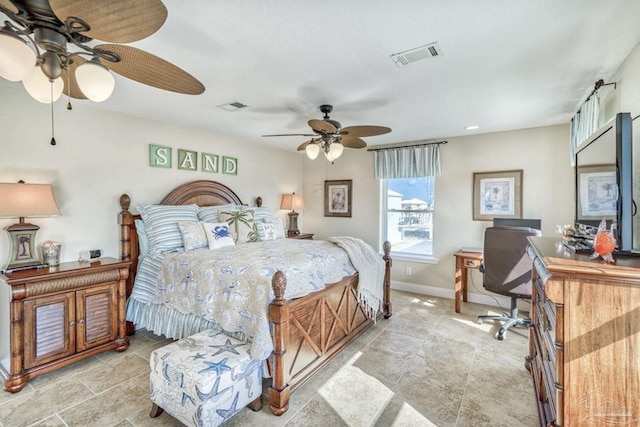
[81,321]
[72,323]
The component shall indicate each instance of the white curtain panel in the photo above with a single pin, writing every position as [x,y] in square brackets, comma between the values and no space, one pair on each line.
[407,162]
[584,124]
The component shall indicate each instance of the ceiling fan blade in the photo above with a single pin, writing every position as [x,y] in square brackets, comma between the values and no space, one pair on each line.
[68,76]
[322,126]
[360,131]
[9,6]
[151,70]
[303,146]
[115,21]
[291,134]
[352,142]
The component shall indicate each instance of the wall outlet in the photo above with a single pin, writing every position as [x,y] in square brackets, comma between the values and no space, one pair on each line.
[407,271]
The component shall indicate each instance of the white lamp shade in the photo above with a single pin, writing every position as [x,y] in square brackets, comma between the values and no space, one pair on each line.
[27,200]
[292,202]
[16,57]
[95,81]
[312,150]
[39,86]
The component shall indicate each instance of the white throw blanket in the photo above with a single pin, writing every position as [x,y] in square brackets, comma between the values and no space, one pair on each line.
[371,269]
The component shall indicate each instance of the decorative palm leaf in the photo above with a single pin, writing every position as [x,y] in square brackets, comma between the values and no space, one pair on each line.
[242,217]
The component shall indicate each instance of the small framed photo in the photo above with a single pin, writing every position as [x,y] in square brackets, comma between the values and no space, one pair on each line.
[597,192]
[497,195]
[337,198]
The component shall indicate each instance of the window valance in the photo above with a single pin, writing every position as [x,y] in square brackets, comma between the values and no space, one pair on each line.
[408,161]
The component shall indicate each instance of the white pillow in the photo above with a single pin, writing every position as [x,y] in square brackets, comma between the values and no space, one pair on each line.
[266,231]
[193,235]
[278,227]
[218,234]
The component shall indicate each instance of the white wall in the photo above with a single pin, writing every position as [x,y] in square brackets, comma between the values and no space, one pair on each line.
[548,188]
[101,155]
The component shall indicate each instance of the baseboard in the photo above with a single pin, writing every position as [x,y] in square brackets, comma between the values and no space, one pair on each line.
[475,297]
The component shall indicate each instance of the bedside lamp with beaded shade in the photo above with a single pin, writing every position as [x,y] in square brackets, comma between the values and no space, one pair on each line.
[19,201]
[292,201]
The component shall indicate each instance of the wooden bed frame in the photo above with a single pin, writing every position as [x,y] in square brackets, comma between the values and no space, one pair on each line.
[307,332]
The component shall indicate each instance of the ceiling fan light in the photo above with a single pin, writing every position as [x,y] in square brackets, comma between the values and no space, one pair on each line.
[95,81]
[336,149]
[39,86]
[16,57]
[312,150]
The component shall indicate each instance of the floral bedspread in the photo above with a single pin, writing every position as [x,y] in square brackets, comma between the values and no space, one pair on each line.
[231,286]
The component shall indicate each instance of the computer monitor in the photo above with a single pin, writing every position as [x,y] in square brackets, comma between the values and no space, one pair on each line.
[518,222]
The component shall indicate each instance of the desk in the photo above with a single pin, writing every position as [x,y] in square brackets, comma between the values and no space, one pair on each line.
[464,261]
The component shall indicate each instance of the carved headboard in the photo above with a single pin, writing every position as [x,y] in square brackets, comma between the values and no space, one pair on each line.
[201,193]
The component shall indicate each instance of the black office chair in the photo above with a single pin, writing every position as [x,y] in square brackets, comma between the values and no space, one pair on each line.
[506,269]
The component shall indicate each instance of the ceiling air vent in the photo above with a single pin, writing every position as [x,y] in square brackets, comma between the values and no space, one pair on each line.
[410,56]
[232,106]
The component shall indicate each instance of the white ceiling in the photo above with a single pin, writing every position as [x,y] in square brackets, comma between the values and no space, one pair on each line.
[506,64]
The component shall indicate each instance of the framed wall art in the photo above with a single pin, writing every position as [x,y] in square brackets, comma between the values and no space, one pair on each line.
[497,194]
[337,198]
[597,192]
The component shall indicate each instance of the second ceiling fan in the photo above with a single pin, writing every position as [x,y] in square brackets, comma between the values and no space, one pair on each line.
[330,137]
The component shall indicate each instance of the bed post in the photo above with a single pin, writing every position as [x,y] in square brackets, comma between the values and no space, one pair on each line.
[125,221]
[279,315]
[127,249]
[386,306]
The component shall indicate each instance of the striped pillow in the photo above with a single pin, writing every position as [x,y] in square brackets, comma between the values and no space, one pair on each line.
[161,222]
[261,214]
[211,213]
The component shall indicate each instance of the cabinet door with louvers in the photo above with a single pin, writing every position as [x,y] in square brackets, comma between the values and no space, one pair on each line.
[96,309]
[49,328]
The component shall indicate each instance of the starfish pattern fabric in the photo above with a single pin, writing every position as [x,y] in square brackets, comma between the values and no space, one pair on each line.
[204,379]
[227,346]
[219,367]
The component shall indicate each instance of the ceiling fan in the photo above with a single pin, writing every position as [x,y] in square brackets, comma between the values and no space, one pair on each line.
[34,48]
[330,137]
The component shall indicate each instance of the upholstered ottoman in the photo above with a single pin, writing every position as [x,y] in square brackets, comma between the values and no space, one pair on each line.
[204,379]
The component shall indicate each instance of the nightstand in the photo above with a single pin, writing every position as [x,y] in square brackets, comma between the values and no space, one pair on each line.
[59,315]
[307,236]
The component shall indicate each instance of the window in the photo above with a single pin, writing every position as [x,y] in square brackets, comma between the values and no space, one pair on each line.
[407,210]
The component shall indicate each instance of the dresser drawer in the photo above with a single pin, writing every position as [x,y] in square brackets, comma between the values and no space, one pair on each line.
[550,385]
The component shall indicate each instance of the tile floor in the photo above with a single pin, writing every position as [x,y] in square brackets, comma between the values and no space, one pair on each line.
[426,366]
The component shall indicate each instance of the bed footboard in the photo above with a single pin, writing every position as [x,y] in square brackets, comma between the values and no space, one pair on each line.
[309,332]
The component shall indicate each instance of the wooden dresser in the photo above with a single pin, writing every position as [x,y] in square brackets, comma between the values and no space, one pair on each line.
[58,315]
[585,338]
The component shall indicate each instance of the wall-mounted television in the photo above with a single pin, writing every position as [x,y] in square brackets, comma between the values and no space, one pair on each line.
[604,181]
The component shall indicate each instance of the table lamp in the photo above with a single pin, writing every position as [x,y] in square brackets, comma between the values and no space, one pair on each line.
[19,201]
[293,202]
